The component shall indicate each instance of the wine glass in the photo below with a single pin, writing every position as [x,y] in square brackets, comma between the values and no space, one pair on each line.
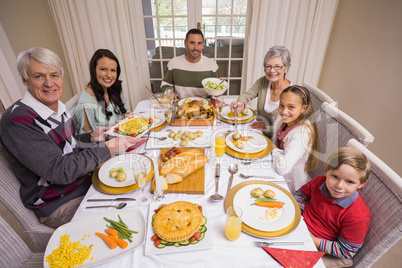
[219,103]
[140,176]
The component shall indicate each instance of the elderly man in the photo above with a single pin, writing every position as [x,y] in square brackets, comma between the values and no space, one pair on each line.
[186,72]
[38,133]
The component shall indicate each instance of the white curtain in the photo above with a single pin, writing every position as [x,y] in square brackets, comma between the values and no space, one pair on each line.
[83,26]
[303,26]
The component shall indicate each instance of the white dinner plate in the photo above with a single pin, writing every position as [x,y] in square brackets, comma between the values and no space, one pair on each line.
[252,214]
[150,249]
[124,161]
[256,143]
[226,110]
[111,132]
[83,230]
[204,101]
[199,142]
[158,116]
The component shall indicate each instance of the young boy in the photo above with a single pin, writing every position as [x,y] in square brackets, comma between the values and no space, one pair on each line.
[335,214]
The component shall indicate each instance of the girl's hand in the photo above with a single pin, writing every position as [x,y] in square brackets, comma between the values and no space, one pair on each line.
[99,134]
[128,114]
[260,125]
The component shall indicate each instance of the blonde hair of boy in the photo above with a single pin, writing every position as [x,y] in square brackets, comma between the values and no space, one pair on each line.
[349,156]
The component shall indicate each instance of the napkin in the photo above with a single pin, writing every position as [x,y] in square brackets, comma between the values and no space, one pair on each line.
[294,258]
[137,145]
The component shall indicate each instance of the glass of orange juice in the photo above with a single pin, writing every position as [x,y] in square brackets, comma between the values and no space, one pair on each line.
[233,223]
[220,143]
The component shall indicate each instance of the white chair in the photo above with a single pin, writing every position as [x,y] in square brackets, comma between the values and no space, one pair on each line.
[335,129]
[10,197]
[383,195]
[71,103]
[14,251]
[318,96]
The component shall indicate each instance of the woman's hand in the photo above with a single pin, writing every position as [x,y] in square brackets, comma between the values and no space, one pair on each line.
[128,114]
[238,105]
[260,125]
[99,134]
[121,144]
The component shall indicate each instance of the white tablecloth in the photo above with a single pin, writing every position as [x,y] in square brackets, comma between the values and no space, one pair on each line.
[239,253]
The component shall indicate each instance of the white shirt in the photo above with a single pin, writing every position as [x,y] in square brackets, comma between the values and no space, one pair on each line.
[44,111]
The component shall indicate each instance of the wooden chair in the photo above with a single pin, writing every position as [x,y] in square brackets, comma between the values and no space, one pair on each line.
[14,251]
[335,129]
[383,195]
[10,197]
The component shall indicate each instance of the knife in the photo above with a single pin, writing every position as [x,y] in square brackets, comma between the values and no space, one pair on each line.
[115,199]
[268,244]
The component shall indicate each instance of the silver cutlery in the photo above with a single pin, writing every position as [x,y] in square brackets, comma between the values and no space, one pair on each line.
[217,196]
[245,176]
[248,162]
[118,206]
[112,199]
[158,138]
[233,168]
[268,244]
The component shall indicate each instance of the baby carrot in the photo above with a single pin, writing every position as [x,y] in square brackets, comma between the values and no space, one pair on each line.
[111,232]
[110,242]
[245,138]
[270,204]
[120,242]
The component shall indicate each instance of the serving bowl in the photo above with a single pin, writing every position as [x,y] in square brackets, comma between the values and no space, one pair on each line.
[214,92]
[163,100]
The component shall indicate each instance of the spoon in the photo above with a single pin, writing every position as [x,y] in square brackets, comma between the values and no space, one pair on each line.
[118,206]
[245,176]
[158,138]
[233,168]
[217,196]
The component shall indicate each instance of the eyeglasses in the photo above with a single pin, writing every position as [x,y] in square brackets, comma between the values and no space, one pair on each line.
[277,67]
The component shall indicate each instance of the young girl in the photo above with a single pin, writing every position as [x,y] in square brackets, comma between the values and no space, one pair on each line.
[296,138]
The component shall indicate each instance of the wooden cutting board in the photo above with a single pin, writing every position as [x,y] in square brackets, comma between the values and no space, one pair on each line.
[193,184]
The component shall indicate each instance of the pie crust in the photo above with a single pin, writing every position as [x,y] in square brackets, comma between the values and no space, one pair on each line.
[177,221]
[134,126]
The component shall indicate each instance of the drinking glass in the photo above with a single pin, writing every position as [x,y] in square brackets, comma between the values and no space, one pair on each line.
[233,223]
[220,143]
[218,107]
[140,176]
[168,109]
[169,95]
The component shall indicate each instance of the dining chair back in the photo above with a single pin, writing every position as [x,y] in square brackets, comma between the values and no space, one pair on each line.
[318,96]
[14,251]
[335,129]
[383,196]
[10,197]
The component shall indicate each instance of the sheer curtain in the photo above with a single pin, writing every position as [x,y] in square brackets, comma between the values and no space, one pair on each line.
[303,27]
[83,26]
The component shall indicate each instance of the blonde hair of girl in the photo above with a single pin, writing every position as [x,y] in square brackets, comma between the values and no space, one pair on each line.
[314,141]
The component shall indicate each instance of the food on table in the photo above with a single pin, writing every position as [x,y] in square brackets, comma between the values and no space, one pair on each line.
[182,165]
[269,204]
[269,194]
[185,136]
[69,254]
[169,154]
[236,136]
[193,109]
[113,174]
[118,174]
[172,134]
[214,85]
[112,232]
[270,214]
[164,182]
[183,143]
[121,176]
[242,114]
[177,221]
[110,242]
[135,126]
[257,192]
[238,143]
[120,169]
[123,232]
[199,133]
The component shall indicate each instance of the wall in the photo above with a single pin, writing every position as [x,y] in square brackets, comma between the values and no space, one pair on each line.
[27,24]
[362,68]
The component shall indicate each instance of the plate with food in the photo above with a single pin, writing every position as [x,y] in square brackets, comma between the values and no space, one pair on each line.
[226,112]
[265,208]
[245,141]
[118,172]
[134,126]
[159,117]
[193,233]
[83,233]
[200,100]
[198,139]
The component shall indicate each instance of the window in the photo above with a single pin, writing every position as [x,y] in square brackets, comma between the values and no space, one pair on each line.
[223,23]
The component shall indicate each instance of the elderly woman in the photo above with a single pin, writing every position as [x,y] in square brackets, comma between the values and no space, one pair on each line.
[268,89]
[101,103]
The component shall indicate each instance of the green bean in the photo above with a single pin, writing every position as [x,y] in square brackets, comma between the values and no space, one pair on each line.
[122,229]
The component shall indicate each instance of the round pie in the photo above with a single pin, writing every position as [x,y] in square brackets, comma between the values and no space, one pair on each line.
[134,126]
[177,221]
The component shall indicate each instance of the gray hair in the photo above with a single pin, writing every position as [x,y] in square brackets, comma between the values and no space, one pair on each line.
[46,57]
[278,51]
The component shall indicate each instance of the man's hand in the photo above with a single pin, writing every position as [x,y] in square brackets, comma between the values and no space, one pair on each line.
[239,106]
[121,144]
[260,125]
[99,134]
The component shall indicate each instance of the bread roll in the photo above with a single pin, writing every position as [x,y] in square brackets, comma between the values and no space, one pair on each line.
[178,161]
[173,178]
[193,166]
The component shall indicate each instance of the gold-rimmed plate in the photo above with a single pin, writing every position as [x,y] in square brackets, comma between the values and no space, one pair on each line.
[180,102]
[239,121]
[256,142]
[246,156]
[265,234]
[103,188]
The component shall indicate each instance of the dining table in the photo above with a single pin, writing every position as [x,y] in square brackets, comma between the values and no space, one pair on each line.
[220,252]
